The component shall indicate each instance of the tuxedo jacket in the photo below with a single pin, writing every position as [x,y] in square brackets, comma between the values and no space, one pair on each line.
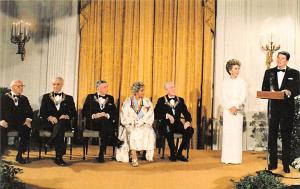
[15,115]
[91,106]
[48,108]
[290,82]
[163,107]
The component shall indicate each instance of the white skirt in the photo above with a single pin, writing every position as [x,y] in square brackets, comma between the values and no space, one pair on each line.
[141,138]
[232,144]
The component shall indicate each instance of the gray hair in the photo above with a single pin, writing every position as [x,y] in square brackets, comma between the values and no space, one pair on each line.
[231,63]
[136,86]
[168,83]
[100,82]
[58,78]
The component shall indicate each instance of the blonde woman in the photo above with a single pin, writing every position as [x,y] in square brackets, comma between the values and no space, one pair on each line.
[137,117]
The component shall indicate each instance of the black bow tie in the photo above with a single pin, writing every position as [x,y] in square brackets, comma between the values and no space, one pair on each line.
[172,99]
[280,70]
[18,96]
[57,94]
[100,96]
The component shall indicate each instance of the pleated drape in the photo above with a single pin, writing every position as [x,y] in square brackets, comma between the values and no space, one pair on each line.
[153,41]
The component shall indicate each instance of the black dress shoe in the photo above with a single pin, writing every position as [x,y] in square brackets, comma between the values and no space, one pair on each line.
[100,158]
[172,158]
[60,162]
[286,169]
[272,167]
[182,158]
[21,160]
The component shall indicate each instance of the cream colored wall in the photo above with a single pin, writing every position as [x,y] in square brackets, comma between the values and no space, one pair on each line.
[52,51]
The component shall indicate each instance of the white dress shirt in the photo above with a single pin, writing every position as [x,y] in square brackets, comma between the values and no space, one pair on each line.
[280,76]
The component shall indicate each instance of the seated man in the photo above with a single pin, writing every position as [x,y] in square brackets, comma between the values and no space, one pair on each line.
[101,114]
[57,110]
[168,111]
[16,114]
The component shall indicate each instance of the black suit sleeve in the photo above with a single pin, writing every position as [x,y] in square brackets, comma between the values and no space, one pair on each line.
[3,109]
[266,81]
[86,110]
[28,109]
[158,110]
[113,110]
[44,113]
[8,113]
[296,87]
[72,109]
[185,112]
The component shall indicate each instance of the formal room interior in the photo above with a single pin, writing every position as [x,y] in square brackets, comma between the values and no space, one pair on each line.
[150,94]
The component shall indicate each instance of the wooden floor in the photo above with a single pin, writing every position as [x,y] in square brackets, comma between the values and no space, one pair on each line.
[204,171]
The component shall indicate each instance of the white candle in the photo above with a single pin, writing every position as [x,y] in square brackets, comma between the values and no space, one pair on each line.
[12,30]
[20,27]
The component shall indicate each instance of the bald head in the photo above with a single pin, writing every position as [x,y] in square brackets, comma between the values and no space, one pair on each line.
[170,88]
[57,84]
[17,86]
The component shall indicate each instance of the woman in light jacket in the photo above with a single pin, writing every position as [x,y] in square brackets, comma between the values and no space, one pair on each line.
[137,117]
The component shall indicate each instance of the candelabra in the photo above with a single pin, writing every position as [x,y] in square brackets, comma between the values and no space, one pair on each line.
[20,35]
[270,48]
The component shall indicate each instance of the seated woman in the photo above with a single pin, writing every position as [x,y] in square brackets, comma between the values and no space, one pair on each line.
[137,117]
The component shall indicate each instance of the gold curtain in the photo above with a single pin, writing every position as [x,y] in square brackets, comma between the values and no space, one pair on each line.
[153,41]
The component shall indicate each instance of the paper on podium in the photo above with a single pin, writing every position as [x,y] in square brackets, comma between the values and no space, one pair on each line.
[270,95]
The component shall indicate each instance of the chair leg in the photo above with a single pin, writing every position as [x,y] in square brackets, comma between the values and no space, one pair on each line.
[71,147]
[40,148]
[28,148]
[163,149]
[83,148]
[66,145]
[86,146]
[187,151]
[114,152]
[46,151]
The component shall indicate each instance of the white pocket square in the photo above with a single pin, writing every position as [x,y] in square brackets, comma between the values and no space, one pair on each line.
[290,78]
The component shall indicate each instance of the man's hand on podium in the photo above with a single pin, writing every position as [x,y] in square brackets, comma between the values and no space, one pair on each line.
[287,93]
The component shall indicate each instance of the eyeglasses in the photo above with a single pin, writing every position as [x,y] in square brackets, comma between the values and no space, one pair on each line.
[20,86]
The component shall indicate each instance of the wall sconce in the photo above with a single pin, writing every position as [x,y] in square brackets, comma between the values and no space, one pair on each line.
[20,35]
[270,48]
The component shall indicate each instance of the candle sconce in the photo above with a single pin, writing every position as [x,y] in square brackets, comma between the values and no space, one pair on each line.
[270,48]
[20,35]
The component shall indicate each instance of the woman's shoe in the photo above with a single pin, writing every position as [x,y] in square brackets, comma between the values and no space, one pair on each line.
[135,163]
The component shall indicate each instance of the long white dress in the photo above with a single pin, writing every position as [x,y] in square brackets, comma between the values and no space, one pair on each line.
[233,94]
[136,130]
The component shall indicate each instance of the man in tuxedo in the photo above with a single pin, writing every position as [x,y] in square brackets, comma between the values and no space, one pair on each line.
[16,114]
[101,114]
[168,111]
[57,110]
[281,112]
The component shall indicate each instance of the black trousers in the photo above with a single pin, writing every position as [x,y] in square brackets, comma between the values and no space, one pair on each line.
[57,135]
[281,119]
[177,127]
[106,131]
[24,135]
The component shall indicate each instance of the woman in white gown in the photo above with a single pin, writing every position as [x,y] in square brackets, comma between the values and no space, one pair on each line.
[233,97]
[137,117]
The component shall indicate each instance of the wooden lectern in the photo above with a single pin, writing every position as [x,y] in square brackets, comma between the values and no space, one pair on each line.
[279,95]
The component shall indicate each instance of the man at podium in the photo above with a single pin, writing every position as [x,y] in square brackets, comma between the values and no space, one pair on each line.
[281,111]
